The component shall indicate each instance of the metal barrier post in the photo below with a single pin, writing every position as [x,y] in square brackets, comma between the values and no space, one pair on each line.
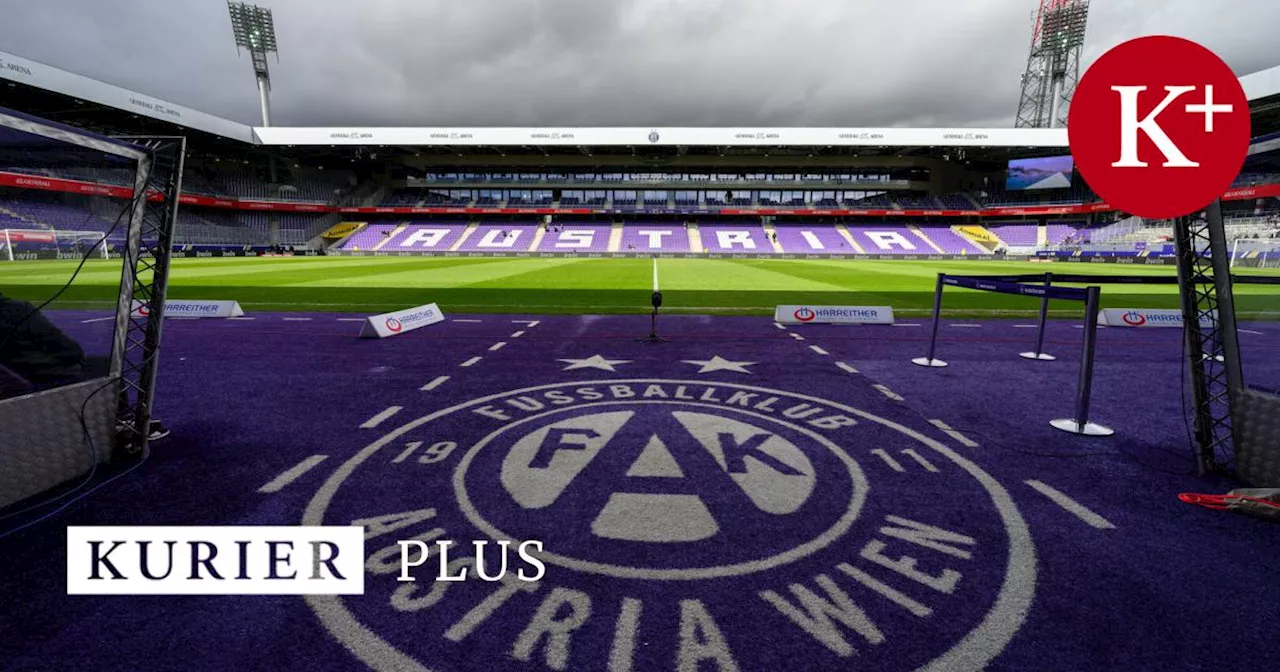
[1039,354]
[930,361]
[1084,386]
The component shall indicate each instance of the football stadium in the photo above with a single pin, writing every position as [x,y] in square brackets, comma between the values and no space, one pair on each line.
[646,397]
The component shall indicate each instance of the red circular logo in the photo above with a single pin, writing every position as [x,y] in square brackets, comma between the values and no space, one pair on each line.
[1134,318]
[804,315]
[143,310]
[1159,127]
[394,325]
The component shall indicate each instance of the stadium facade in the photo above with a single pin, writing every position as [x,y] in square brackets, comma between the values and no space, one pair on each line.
[841,192]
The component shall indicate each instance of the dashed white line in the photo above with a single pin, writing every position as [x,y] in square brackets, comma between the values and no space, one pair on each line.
[296,319]
[377,419]
[183,318]
[796,336]
[904,324]
[527,323]
[242,318]
[112,317]
[847,368]
[471,362]
[1025,326]
[466,320]
[967,326]
[352,319]
[960,438]
[1250,331]
[497,346]
[888,392]
[518,334]
[779,326]
[818,350]
[292,474]
[1072,506]
[434,384]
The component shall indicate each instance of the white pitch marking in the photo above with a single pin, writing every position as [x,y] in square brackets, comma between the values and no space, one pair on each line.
[296,319]
[112,317]
[928,466]
[1025,326]
[518,334]
[497,346]
[888,459]
[527,323]
[961,438]
[904,324]
[847,368]
[440,380]
[466,320]
[242,318]
[967,326]
[779,326]
[471,361]
[1081,326]
[377,419]
[533,324]
[818,350]
[655,274]
[1072,506]
[292,474]
[1250,331]
[352,319]
[888,392]
[796,336]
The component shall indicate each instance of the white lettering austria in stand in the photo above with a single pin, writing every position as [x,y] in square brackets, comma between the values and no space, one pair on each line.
[392,324]
[181,308]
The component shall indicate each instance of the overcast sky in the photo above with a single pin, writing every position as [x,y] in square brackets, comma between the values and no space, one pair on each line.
[605,62]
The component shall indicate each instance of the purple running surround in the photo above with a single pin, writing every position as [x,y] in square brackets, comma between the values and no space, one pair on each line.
[500,238]
[813,240]
[747,238]
[575,238]
[888,239]
[365,239]
[734,499]
[426,237]
[950,241]
[654,238]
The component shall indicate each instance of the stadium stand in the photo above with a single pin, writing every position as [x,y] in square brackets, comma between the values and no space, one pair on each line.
[503,237]
[436,236]
[1017,234]
[888,239]
[802,239]
[575,238]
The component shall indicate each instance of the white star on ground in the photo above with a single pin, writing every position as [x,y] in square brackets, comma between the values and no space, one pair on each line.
[718,363]
[594,362]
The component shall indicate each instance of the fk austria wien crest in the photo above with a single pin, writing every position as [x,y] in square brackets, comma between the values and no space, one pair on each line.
[684,525]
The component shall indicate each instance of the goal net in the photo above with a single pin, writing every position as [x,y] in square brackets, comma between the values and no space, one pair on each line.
[31,244]
[1255,253]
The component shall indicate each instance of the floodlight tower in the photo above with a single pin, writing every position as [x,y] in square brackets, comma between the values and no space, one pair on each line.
[1053,66]
[256,32]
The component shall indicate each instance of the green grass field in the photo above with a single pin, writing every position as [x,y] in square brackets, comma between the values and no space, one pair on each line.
[562,285]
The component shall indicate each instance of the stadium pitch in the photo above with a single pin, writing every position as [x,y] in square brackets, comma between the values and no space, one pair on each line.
[595,286]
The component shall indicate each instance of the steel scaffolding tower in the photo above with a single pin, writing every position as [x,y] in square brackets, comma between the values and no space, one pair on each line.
[255,31]
[1053,65]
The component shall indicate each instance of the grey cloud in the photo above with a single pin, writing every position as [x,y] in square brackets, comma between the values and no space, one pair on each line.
[605,62]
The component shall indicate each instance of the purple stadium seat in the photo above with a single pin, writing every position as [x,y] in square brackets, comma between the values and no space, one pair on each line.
[802,239]
[500,238]
[575,238]
[745,238]
[654,238]
[888,239]
[426,237]
[1016,234]
[950,241]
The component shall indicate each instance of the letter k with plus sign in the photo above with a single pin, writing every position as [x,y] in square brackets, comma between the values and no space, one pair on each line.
[1207,108]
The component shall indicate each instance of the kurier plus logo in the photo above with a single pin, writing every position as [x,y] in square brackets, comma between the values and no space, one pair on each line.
[804,314]
[1134,318]
[1159,127]
[394,325]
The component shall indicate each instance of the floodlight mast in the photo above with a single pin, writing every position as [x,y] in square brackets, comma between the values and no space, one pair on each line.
[1053,64]
[255,31]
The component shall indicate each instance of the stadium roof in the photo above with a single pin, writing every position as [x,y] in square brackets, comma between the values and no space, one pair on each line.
[1262,87]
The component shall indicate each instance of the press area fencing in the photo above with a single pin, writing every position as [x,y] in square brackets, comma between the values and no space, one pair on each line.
[1047,291]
